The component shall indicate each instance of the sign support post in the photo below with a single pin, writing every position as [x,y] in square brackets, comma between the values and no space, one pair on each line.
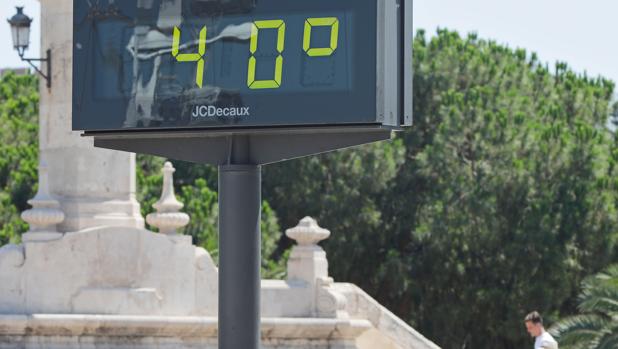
[239,250]
[239,256]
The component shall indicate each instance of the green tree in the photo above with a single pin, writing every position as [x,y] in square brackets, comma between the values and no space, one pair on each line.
[19,148]
[507,198]
[597,325]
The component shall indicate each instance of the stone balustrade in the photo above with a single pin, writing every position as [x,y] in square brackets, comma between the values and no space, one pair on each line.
[104,283]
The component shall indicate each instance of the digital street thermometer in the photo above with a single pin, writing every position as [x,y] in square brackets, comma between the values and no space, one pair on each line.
[240,64]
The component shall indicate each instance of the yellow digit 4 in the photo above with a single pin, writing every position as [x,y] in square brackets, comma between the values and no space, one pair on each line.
[191,57]
[332,22]
[255,29]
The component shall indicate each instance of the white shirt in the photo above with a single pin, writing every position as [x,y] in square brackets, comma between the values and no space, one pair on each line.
[545,341]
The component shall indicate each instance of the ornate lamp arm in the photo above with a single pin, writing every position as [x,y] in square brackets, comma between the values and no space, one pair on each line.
[47,60]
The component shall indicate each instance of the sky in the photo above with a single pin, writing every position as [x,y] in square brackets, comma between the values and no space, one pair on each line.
[582,33]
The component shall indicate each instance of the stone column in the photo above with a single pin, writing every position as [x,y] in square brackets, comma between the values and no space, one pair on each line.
[95,187]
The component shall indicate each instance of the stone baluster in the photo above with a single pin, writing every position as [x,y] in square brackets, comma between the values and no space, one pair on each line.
[45,213]
[168,217]
[308,265]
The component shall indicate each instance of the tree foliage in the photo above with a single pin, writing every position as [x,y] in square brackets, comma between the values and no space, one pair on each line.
[19,148]
[509,191]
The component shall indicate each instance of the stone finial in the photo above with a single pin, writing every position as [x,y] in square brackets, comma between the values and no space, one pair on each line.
[168,217]
[307,232]
[45,213]
[308,266]
[307,260]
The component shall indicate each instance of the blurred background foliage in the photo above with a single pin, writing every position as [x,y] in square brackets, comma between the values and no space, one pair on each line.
[19,109]
[501,199]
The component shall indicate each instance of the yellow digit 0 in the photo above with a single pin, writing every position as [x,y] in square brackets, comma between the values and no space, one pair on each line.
[191,57]
[255,29]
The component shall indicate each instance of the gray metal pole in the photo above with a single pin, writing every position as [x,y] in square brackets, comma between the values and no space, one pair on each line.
[239,256]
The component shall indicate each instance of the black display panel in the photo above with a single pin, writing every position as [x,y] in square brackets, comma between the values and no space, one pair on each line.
[167,64]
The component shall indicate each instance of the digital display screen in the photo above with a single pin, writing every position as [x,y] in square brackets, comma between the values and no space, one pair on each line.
[144,64]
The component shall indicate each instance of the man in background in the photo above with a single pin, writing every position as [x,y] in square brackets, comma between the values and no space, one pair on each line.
[534,325]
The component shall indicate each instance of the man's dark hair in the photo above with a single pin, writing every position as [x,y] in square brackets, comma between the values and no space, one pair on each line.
[534,317]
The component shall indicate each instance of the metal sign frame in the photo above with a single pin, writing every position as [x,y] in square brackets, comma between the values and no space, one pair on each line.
[392,72]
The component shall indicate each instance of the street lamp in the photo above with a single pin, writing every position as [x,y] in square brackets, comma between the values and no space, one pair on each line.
[20,30]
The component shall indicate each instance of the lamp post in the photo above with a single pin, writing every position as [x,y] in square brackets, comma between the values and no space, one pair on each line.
[20,30]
